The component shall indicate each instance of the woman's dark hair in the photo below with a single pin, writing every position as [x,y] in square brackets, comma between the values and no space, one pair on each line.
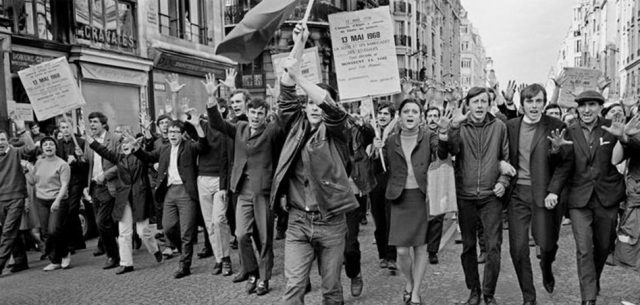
[553,106]
[410,101]
[606,110]
[178,124]
[49,139]
[258,103]
[475,91]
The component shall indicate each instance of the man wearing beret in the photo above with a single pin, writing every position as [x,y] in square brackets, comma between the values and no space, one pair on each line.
[596,188]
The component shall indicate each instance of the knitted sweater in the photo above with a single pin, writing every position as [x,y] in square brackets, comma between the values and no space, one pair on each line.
[13,184]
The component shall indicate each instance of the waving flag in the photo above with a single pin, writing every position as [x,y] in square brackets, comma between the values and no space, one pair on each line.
[249,37]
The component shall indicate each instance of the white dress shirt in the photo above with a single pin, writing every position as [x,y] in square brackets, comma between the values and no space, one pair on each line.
[97,159]
[174,175]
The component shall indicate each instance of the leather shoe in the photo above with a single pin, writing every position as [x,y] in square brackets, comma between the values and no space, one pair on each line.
[110,264]
[529,303]
[263,288]
[474,297]
[240,277]
[124,269]
[280,235]
[433,258]
[98,252]
[182,272]
[234,244]
[383,264]
[18,267]
[205,253]
[226,266]
[490,301]
[548,281]
[591,302]
[251,284]
[392,267]
[158,256]
[217,269]
[356,286]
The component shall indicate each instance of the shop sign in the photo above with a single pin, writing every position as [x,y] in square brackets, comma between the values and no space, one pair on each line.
[21,60]
[110,37]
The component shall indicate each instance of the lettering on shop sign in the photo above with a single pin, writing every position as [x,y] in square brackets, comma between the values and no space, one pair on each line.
[111,37]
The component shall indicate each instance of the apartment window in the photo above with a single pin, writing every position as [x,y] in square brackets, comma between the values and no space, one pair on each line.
[465,45]
[464,29]
[466,63]
[30,17]
[252,74]
[185,19]
[578,45]
[107,24]
[577,62]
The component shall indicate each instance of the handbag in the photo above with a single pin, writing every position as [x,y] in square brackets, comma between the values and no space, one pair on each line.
[441,187]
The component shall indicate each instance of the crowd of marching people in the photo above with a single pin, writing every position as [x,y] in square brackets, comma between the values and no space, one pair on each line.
[304,169]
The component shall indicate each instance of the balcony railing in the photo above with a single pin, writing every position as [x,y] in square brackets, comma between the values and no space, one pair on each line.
[402,40]
[233,14]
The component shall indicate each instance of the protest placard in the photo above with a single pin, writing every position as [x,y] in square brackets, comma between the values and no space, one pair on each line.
[364,52]
[51,88]
[22,111]
[577,81]
[309,68]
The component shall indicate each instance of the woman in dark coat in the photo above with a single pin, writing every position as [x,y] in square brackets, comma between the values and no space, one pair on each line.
[408,154]
[133,204]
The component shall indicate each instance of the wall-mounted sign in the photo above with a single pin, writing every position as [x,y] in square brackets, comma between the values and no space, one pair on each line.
[110,37]
[21,60]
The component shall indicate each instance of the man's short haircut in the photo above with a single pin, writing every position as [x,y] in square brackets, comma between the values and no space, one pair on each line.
[433,108]
[388,105]
[410,101]
[100,116]
[178,124]
[332,91]
[258,103]
[2,131]
[606,110]
[553,106]
[246,95]
[475,91]
[163,117]
[532,90]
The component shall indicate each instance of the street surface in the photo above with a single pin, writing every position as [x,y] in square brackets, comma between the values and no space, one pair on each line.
[153,284]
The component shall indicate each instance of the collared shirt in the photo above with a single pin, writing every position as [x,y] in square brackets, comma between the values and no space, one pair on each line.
[97,159]
[174,175]
[588,131]
[6,151]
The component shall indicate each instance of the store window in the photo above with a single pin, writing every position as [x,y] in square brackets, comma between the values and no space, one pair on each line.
[252,74]
[29,17]
[106,24]
[185,19]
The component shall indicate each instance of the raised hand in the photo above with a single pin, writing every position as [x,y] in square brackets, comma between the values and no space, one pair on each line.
[174,84]
[521,87]
[458,116]
[193,117]
[145,121]
[230,80]
[633,127]
[557,138]
[511,90]
[617,126]
[210,84]
[300,33]
[407,88]
[20,126]
[445,120]
[560,79]
[603,82]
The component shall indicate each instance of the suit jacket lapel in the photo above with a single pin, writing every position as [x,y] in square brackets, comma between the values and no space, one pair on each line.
[540,132]
[598,134]
[579,139]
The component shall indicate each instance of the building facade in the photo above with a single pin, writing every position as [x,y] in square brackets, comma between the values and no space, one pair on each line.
[473,60]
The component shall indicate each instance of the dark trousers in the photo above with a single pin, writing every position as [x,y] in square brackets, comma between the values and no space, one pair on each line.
[103,204]
[231,211]
[435,233]
[179,222]
[282,219]
[10,217]
[254,218]
[19,252]
[352,246]
[489,210]
[592,226]
[72,226]
[380,210]
[52,228]
[523,214]
[311,236]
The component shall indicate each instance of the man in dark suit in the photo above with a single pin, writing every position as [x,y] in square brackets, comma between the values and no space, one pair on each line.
[535,158]
[596,189]
[102,186]
[177,187]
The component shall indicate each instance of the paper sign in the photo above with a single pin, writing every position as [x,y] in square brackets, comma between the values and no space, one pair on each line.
[51,88]
[22,111]
[577,81]
[309,68]
[364,52]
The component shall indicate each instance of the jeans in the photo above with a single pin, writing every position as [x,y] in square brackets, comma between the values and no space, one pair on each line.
[352,246]
[489,210]
[103,204]
[214,212]
[10,217]
[125,227]
[179,222]
[51,226]
[310,236]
